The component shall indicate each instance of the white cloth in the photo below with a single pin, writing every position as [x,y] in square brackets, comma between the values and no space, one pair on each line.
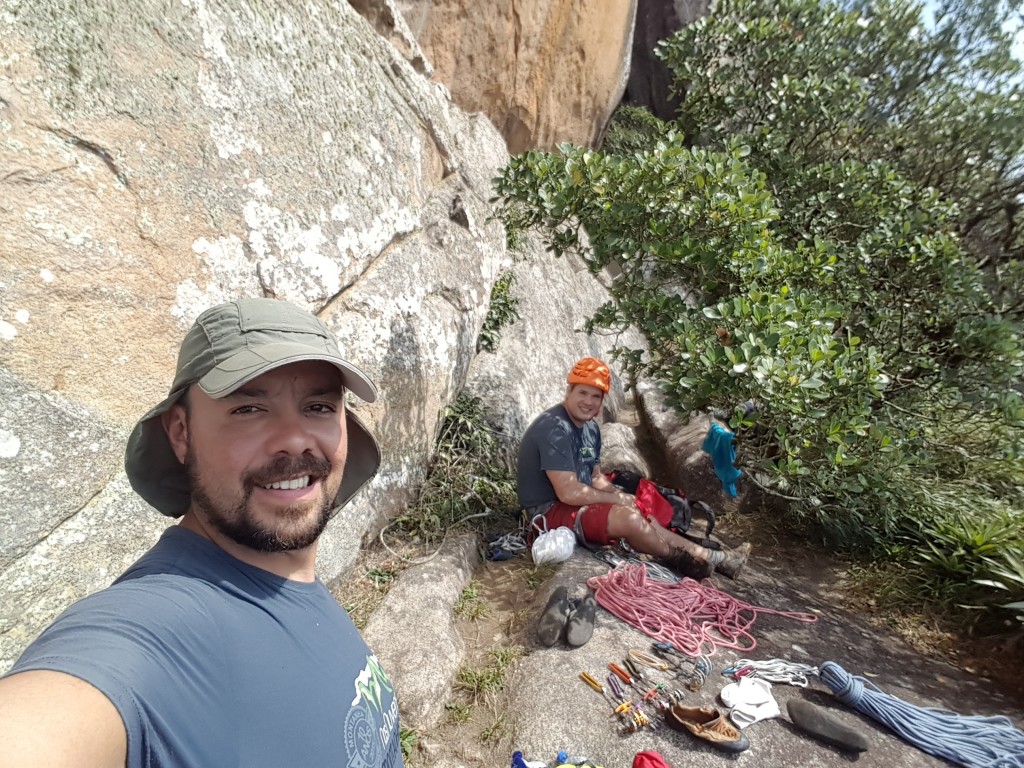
[750,700]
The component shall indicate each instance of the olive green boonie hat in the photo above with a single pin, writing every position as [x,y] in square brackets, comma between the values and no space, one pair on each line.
[228,346]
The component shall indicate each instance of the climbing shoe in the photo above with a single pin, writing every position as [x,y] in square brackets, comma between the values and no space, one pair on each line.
[825,727]
[580,627]
[553,618]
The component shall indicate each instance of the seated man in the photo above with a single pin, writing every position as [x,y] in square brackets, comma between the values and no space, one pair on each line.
[559,478]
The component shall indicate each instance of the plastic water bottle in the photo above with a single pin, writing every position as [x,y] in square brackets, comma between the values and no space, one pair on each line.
[564,758]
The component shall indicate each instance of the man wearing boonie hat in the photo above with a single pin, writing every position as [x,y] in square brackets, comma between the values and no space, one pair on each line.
[220,646]
[560,483]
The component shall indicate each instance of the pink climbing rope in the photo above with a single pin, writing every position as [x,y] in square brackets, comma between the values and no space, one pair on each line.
[694,616]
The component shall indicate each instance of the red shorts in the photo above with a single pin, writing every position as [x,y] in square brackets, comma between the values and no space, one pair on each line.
[594,523]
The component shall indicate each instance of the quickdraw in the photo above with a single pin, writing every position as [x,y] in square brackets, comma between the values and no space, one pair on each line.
[697,676]
[631,714]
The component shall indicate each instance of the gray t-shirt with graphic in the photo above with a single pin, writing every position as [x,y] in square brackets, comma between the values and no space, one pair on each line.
[554,442]
[214,663]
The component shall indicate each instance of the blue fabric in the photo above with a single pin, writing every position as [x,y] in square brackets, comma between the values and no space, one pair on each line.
[211,662]
[718,444]
[554,442]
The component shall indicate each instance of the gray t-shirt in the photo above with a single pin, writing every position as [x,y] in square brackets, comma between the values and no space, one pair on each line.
[214,663]
[554,442]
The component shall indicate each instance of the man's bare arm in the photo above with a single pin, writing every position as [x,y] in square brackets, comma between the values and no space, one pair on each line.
[602,483]
[54,719]
[571,491]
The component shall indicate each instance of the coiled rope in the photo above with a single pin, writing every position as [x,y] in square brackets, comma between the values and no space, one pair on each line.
[974,741]
[695,617]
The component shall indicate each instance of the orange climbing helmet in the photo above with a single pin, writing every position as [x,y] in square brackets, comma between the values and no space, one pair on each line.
[593,372]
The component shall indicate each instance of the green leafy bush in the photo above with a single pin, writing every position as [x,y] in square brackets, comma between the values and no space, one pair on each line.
[468,484]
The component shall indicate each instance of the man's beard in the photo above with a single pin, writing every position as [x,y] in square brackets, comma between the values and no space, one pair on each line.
[239,524]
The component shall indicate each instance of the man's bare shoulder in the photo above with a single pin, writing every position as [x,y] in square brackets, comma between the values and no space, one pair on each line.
[54,719]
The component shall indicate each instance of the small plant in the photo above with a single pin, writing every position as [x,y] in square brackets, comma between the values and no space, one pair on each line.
[961,551]
[495,732]
[1004,572]
[408,738]
[506,656]
[500,314]
[478,681]
[471,604]
[381,577]
[361,596]
[538,575]
[516,621]
[466,479]
[457,713]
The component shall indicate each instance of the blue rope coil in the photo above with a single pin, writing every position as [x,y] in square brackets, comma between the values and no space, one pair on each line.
[979,742]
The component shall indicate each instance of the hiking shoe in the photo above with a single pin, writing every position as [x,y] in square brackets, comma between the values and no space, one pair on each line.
[685,564]
[553,618]
[505,546]
[818,723]
[709,724]
[580,627]
[734,561]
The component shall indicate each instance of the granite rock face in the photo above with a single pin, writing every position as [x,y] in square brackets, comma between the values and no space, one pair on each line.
[543,71]
[161,157]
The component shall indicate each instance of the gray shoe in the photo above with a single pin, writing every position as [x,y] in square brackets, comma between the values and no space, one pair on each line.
[734,561]
[825,727]
[580,627]
[553,619]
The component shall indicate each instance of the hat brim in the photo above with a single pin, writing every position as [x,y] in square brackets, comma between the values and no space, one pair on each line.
[158,477]
[250,362]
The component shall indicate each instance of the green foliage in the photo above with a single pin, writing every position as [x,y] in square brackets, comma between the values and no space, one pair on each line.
[811,248]
[1005,572]
[497,730]
[501,312]
[805,82]
[382,577]
[633,129]
[957,546]
[974,558]
[467,478]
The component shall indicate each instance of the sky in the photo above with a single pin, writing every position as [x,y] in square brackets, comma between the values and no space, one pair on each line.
[1018,46]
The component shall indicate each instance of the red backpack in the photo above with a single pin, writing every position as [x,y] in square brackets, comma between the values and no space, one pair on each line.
[668,506]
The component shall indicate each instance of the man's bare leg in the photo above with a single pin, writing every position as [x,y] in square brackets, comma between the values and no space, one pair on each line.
[649,538]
